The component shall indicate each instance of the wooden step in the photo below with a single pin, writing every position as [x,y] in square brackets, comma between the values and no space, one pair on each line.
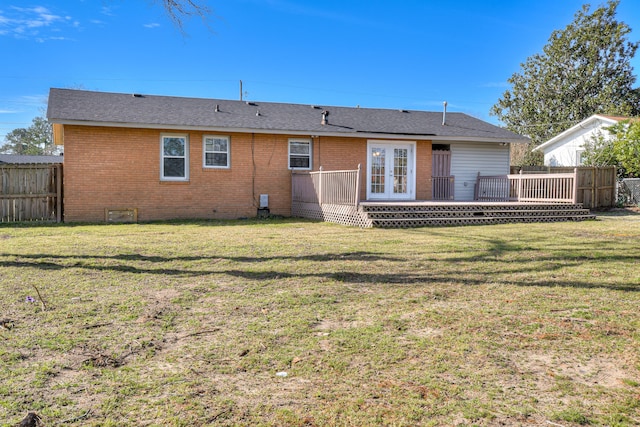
[446,221]
[467,208]
[475,214]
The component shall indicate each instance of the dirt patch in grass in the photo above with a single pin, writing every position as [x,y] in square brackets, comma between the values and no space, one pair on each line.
[595,371]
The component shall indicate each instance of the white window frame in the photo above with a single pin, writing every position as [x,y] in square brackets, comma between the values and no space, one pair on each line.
[185,157]
[204,151]
[303,141]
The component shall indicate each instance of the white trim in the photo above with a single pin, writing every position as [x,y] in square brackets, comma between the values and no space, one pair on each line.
[304,141]
[186,157]
[399,137]
[411,172]
[204,151]
[585,123]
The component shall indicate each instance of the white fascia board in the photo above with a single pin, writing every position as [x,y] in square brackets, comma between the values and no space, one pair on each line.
[364,135]
[586,122]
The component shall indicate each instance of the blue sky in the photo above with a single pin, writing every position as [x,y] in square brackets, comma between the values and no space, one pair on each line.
[409,54]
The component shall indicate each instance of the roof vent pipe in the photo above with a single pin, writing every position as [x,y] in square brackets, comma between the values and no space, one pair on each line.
[444,113]
[324,121]
[217,110]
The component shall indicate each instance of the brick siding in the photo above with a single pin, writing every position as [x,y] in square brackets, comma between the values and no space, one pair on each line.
[118,168]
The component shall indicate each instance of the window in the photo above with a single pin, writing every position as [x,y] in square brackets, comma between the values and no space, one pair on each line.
[580,157]
[174,153]
[299,154]
[216,151]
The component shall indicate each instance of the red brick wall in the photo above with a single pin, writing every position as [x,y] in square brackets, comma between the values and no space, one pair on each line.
[120,168]
[424,169]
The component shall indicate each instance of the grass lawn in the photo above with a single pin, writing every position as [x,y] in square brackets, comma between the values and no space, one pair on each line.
[298,323]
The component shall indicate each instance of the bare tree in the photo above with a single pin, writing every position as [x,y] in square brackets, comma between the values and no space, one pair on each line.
[179,10]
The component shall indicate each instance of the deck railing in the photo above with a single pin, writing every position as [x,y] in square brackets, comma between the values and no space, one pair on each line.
[559,187]
[443,187]
[332,196]
[327,187]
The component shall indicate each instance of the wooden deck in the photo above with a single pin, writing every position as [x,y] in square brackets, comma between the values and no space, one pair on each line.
[333,196]
[428,213]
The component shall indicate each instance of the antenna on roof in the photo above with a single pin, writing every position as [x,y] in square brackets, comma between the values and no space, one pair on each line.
[240,90]
[444,113]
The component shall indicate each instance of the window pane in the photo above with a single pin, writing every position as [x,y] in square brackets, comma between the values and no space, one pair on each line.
[174,146]
[299,162]
[209,144]
[216,159]
[208,159]
[220,145]
[174,168]
[220,159]
[299,148]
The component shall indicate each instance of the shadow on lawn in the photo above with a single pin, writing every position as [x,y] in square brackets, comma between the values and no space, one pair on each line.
[411,275]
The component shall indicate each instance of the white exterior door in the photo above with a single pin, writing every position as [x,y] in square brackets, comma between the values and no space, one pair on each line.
[390,171]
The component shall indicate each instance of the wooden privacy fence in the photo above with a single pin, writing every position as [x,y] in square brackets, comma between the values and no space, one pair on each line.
[596,186]
[31,192]
[557,188]
[332,196]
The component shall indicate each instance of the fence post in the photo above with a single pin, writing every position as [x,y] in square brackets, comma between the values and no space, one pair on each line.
[58,193]
[575,185]
[357,198]
[595,188]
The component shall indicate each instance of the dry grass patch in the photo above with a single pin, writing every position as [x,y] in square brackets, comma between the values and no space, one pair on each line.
[196,323]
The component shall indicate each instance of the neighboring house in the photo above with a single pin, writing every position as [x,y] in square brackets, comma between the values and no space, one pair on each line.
[170,157]
[567,148]
[19,159]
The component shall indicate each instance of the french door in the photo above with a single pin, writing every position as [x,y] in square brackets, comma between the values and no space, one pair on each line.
[390,171]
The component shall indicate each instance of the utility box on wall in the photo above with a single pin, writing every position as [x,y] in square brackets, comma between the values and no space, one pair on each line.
[264,201]
[263,210]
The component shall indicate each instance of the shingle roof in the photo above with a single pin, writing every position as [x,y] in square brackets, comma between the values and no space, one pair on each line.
[21,159]
[117,109]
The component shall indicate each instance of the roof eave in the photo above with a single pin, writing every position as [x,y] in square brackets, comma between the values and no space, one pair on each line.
[573,128]
[353,134]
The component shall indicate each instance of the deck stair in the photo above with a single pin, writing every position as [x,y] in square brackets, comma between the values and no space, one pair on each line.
[416,214]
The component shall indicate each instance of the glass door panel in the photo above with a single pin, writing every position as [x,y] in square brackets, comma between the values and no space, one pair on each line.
[378,170]
[389,174]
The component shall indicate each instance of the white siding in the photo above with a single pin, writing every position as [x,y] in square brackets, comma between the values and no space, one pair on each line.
[467,159]
[566,151]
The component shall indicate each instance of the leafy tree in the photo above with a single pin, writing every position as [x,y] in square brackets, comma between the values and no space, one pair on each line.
[626,147]
[584,69]
[34,140]
[622,149]
[599,152]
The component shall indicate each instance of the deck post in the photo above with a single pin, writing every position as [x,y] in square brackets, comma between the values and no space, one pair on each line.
[320,187]
[520,181]
[357,195]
